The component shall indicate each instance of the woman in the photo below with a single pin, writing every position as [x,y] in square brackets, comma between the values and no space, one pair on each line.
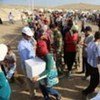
[5,90]
[46,84]
[70,42]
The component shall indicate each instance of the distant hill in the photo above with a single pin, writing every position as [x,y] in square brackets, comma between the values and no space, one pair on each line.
[12,6]
[20,6]
[81,6]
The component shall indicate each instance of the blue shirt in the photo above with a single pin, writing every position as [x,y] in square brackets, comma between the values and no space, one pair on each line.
[26,50]
[93,52]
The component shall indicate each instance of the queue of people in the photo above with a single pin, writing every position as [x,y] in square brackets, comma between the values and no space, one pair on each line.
[54,38]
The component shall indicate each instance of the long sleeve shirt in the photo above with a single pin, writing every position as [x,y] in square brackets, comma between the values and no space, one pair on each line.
[93,53]
[26,50]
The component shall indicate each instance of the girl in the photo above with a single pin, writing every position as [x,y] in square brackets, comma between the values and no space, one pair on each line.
[46,84]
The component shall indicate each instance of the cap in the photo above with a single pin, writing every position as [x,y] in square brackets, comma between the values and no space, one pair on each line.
[3,51]
[26,30]
[45,28]
[75,27]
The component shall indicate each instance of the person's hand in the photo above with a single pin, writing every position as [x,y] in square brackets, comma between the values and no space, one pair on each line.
[81,43]
[35,79]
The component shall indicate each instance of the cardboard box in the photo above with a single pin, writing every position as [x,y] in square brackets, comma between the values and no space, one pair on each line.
[34,67]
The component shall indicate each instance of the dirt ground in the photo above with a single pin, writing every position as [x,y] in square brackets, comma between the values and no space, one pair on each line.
[70,89]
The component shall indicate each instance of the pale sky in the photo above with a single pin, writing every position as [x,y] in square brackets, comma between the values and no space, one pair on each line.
[49,2]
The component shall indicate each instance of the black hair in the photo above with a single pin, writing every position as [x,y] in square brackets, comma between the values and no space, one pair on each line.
[75,31]
[88,28]
[23,34]
[97,35]
[9,47]
[41,31]
[70,23]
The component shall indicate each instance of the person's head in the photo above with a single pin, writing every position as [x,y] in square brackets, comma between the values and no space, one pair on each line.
[88,30]
[45,28]
[9,49]
[54,26]
[42,35]
[27,33]
[70,22]
[97,36]
[3,52]
[75,29]
[10,13]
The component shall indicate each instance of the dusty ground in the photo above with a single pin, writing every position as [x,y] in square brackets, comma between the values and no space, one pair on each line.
[69,89]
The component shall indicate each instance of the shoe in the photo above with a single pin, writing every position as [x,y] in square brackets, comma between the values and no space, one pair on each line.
[69,75]
[46,98]
[58,97]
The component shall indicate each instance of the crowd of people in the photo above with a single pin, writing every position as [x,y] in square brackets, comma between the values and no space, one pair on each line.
[56,38]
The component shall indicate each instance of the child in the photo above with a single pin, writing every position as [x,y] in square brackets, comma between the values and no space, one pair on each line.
[10,64]
[46,85]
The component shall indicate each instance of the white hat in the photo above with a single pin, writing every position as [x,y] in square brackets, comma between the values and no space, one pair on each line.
[75,27]
[3,51]
[26,30]
[45,28]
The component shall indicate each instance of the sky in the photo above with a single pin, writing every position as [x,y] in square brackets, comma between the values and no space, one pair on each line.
[48,2]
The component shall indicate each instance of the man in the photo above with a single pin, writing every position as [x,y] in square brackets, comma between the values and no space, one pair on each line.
[93,60]
[11,18]
[26,51]
[88,38]
[57,47]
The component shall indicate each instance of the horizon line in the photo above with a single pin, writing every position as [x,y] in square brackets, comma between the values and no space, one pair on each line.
[49,5]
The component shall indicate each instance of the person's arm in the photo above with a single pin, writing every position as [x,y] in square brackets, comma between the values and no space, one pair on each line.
[31,53]
[24,54]
[40,77]
[60,43]
[98,52]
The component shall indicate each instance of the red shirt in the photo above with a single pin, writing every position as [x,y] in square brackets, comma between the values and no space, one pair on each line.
[70,42]
[42,49]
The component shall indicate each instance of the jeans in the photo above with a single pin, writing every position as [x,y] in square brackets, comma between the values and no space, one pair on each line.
[48,90]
